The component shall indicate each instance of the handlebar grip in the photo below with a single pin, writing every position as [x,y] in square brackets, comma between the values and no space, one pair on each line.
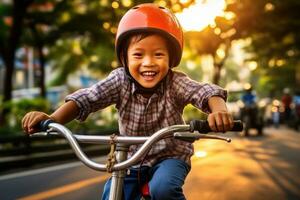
[237,126]
[203,127]
[43,125]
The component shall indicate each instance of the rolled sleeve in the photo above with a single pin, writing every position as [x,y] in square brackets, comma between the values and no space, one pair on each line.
[195,93]
[98,96]
[212,90]
[84,107]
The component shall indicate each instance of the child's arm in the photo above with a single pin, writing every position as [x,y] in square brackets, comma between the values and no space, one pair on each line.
[219,120]
[64,114]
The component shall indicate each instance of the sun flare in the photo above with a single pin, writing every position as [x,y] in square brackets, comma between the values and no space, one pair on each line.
[201,14]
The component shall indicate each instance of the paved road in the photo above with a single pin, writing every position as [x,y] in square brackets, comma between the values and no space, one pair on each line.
[72,181]
[257,168]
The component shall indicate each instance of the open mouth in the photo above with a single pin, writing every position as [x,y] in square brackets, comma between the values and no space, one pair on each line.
[149,75]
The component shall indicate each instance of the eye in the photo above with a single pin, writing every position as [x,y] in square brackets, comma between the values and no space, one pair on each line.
[137,55]
[159,54]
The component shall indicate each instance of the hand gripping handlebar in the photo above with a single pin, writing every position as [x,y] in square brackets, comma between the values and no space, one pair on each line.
[202,126]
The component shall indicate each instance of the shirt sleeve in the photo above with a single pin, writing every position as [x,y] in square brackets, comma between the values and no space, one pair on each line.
[98,96]
[189,91]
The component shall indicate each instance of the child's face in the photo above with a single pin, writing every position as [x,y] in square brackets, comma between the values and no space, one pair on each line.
[148,60]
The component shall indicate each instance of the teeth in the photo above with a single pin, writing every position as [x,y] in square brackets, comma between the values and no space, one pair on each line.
[148,73]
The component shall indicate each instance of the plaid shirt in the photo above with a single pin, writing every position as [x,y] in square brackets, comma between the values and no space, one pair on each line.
[141,116]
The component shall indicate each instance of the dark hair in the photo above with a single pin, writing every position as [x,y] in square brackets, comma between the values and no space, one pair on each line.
[126,42]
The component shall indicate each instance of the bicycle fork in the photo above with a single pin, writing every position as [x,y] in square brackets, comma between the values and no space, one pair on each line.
[117,180]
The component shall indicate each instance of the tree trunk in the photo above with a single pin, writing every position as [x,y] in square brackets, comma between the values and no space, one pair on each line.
[217,73]
[297,75]
[39,44]
[219,65]
[8,49]
[42,68]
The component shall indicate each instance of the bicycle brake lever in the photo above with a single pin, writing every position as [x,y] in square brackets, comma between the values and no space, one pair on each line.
[37,134]
[186,136]
[191,137]
[49,132]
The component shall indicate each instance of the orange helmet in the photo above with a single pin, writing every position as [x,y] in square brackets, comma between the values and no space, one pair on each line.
[151,18]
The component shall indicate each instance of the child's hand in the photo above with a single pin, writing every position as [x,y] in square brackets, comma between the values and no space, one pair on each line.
[220,121]
[31,119]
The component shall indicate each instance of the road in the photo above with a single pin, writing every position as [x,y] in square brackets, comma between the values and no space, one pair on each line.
[66,181]
[257,168]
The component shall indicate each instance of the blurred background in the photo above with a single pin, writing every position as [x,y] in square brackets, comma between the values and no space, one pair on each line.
[50,48]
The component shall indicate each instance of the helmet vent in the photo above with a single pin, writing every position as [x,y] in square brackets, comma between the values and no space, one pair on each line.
[161,7]
[135,7]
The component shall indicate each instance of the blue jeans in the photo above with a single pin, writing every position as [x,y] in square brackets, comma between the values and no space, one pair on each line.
[165,180]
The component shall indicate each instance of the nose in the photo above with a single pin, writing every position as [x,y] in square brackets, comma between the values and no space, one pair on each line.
[148,61]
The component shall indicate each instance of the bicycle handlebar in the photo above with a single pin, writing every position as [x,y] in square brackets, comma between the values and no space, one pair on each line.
[202,126]
[48,126]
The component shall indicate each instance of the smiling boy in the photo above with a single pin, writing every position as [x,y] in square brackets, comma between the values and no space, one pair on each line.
[149,96]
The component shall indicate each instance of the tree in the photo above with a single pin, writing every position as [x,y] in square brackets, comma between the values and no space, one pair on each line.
[274,29]
[85,25]
[9,41]
[209,41]
[45,30]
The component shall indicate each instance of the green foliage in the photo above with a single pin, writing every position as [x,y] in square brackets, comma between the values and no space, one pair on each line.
[234,96]
[231,72]
[191,65]
[101,121]
[275,41]
[4,11]
[190,112]
[18,110]
[274,80]
[97,122]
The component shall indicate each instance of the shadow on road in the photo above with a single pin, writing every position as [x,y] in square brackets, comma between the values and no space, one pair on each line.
[277,153]
[260,168]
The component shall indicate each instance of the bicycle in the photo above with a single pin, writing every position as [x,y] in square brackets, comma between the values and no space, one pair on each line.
[117,162]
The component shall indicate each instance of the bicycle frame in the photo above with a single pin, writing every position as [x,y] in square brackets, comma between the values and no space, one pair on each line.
[184,132]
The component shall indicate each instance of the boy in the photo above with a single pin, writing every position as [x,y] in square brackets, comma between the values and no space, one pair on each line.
[148,96]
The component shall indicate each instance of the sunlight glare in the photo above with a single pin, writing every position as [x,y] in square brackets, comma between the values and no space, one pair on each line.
[201,14]
[200,154]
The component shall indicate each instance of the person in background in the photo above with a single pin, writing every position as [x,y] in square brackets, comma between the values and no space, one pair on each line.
[249,97]
[286,103]
[296,101]
[276,113]
[250,113]
[249,100]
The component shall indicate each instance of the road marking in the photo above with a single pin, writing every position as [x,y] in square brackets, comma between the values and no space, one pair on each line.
[39,171]
[45,170]
[65,189]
